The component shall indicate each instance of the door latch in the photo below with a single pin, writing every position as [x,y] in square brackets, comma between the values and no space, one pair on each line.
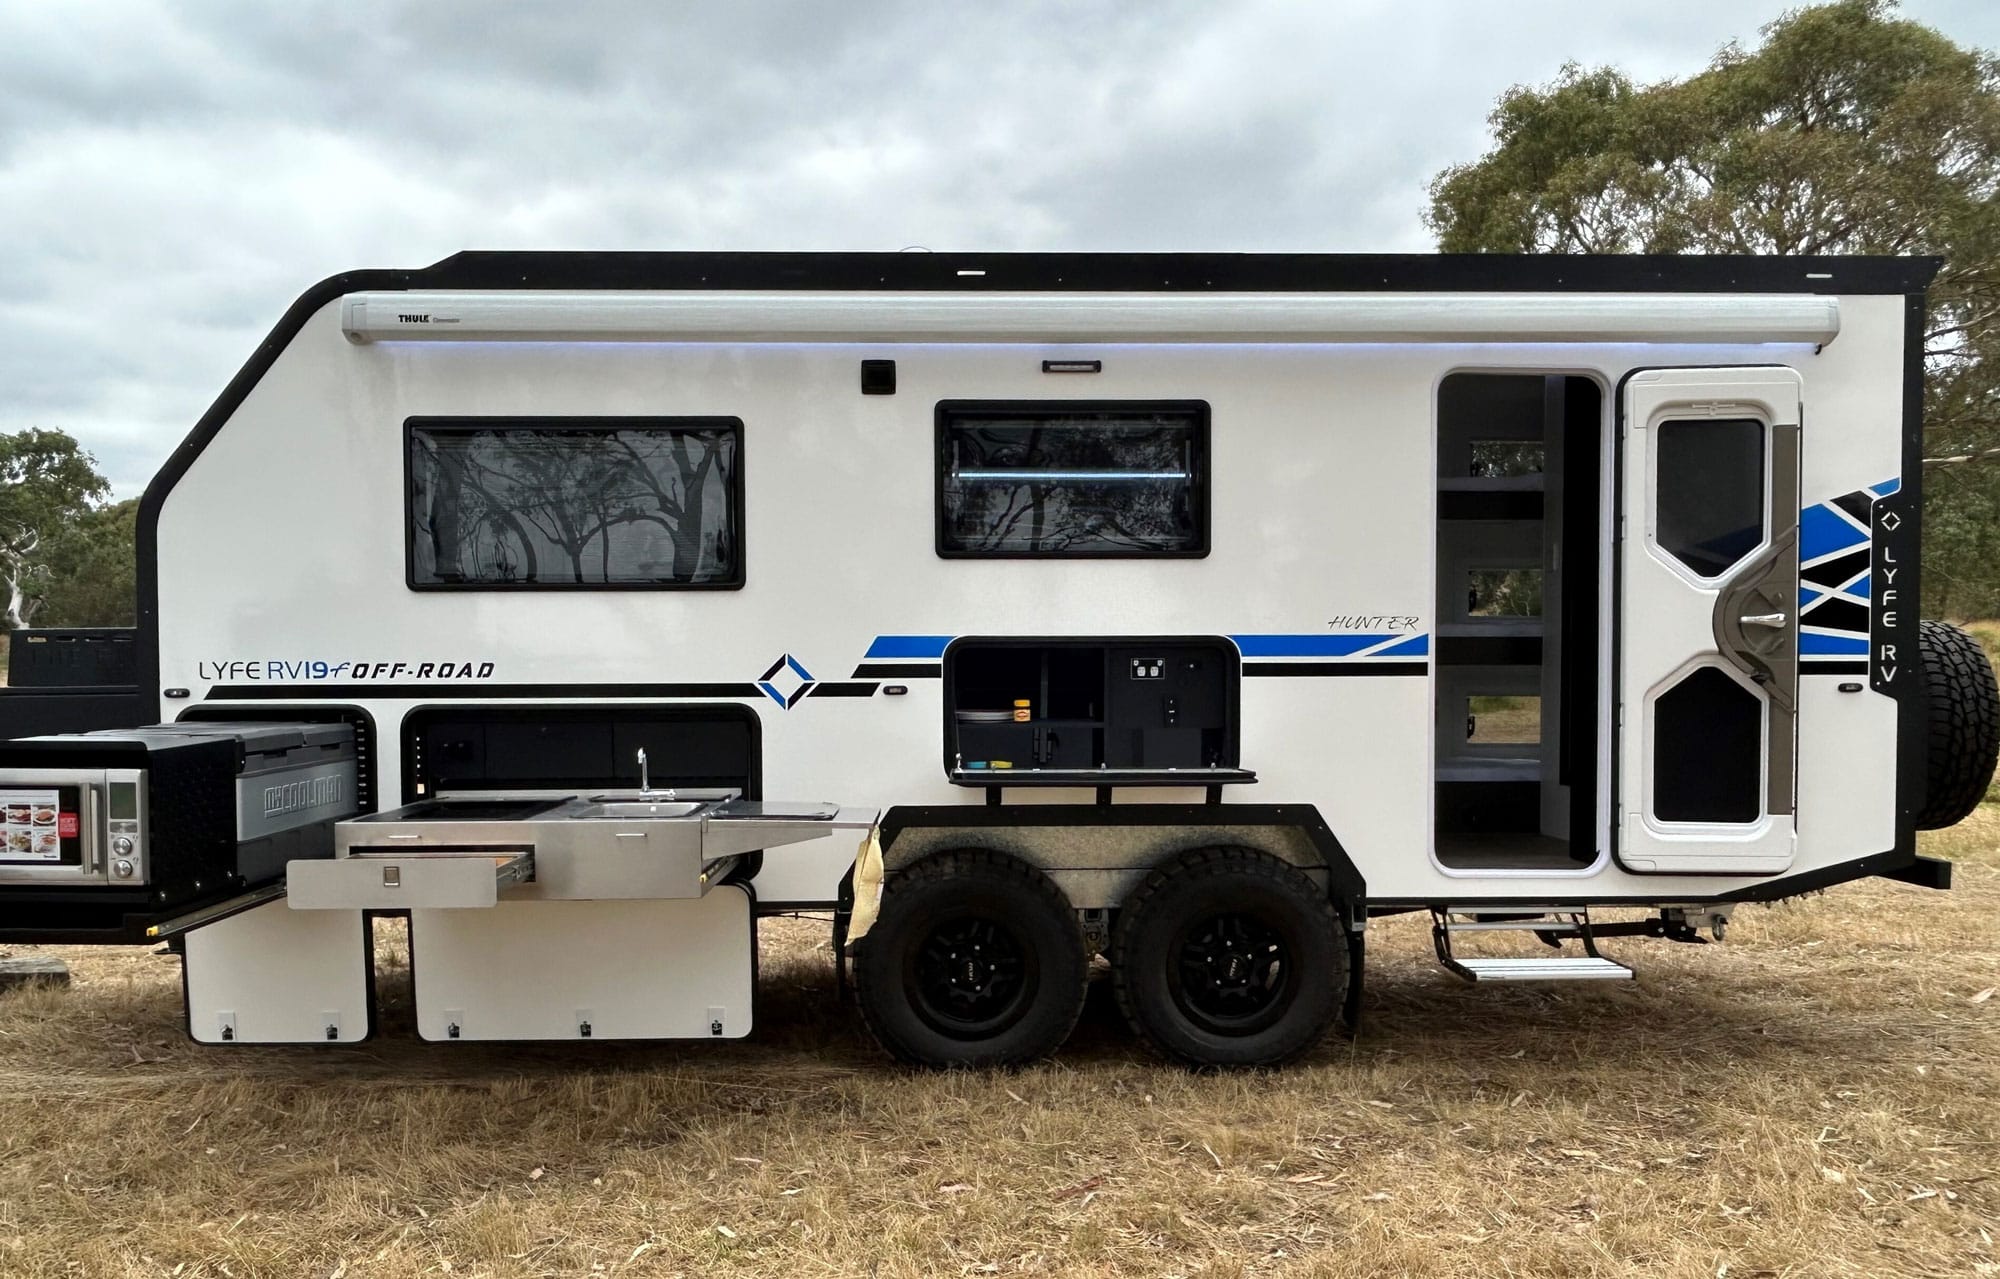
[1776,621]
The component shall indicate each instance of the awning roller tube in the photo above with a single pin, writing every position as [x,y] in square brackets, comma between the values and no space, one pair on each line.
[1064,318]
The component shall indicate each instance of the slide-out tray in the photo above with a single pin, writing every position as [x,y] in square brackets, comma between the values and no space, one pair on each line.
[408,878]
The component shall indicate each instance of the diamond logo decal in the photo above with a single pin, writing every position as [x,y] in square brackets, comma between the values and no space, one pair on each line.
[786,672]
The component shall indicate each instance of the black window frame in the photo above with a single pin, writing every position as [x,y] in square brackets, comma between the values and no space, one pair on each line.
[1198,483]
[735,491]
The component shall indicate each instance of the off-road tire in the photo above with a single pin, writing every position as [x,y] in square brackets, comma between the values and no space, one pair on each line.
[1962,730]
[1159,922]
[939,893]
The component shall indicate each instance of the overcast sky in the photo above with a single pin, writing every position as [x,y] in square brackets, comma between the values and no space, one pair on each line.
[172,175]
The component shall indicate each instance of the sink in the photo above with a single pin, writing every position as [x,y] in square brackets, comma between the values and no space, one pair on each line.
[628,809]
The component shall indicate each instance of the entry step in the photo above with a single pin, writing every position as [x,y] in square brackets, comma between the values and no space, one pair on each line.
[1554,968]
[1553,925]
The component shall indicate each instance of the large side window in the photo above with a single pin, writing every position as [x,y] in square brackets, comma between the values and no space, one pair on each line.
[1072,479]
[577,503]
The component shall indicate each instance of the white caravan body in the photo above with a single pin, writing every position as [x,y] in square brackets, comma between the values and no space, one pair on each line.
[1372,451]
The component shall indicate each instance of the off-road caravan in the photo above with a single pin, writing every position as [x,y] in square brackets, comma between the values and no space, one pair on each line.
[1013,609]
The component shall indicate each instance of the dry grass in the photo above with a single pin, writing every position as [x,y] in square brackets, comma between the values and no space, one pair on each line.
[1815,1098]
[1818,1097]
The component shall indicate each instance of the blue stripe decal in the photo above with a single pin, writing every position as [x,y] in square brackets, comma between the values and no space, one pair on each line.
[1822,532]
[1811,645]
[1306,645]
[1887,487]
[931,646]
[1860,589]
[1415,646]
[1807,595]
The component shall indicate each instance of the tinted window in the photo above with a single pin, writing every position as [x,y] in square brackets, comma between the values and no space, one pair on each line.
[1709,513]
[1708,750]
[637,502]
[1077,479]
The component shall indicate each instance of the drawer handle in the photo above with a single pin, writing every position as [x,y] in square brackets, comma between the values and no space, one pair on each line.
[630,834]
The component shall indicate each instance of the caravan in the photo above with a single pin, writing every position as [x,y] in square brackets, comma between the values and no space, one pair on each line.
[1187,610]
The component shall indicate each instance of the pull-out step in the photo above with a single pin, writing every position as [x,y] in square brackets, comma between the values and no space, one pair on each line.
[1553,925]
[1554,968]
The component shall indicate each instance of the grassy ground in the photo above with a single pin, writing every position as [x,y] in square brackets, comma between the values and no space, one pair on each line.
[1817,1097]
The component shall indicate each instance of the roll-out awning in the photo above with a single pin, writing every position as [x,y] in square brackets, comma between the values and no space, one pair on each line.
[1064,318]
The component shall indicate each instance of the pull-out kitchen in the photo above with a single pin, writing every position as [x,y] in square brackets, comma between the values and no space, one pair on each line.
[241,844]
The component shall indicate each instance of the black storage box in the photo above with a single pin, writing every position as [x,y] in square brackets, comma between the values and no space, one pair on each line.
[103,834]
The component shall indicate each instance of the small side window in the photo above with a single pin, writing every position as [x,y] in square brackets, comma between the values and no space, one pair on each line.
[1072,479]
[576,503]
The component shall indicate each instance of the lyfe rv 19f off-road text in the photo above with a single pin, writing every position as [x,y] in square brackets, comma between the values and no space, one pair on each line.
[1189,610]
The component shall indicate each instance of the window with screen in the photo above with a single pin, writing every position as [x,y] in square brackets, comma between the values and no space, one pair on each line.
[577,503]
[1072,479]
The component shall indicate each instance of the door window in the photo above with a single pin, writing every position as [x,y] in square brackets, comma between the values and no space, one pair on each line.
[1709,513]
[1708,750]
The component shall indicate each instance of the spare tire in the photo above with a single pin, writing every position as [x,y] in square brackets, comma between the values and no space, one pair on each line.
[1962,730]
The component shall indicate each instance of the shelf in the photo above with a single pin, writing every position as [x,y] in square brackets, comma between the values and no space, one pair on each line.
[1490,483]
[1484,626]
[1489,649]
[1514,769]
[990,777]
[1490,504]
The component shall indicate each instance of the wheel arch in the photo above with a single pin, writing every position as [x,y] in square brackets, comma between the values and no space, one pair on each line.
[1098,853]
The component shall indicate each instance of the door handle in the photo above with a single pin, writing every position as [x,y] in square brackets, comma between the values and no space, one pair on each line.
[1776,621]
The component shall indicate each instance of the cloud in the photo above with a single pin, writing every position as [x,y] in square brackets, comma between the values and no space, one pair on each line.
[172,175]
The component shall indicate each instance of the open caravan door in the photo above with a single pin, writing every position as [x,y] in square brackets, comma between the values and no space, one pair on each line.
[1708,621]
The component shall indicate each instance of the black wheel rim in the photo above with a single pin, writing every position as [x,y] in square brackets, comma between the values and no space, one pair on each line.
[1232,973]
[970,977]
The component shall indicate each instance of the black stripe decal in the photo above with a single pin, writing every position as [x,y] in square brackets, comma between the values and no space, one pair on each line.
[898,670]
[467,692]
[1833,668]
[1859,505]
[1336,668]
[844,690]
[1835,614]
[1832,573]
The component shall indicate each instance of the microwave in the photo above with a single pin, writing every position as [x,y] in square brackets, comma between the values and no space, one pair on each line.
[165,814]
[73,826]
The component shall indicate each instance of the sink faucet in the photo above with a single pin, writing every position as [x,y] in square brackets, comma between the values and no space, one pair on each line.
[645,787]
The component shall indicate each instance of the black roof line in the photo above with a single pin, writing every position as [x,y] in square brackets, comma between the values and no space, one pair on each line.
[1178,272]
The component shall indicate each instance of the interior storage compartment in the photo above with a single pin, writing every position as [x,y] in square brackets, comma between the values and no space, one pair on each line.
[471,748]
[1518,539]
[1083,711]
